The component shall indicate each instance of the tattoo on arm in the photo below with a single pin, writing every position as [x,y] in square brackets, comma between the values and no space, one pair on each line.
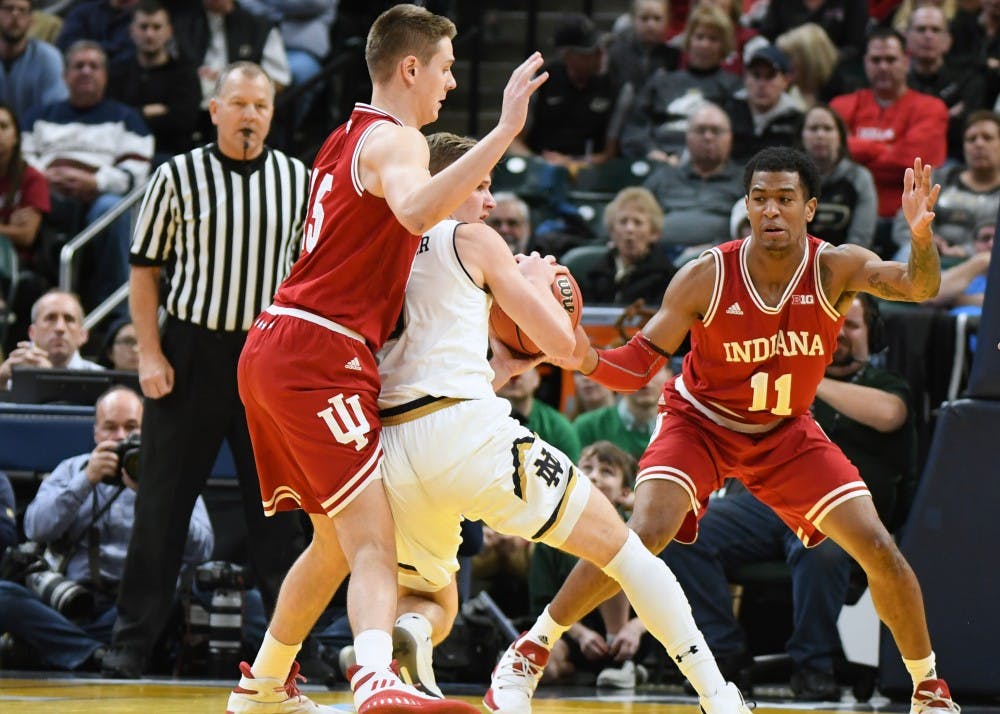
[879,287]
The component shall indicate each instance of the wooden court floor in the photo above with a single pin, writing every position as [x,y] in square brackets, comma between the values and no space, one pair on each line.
[35,695]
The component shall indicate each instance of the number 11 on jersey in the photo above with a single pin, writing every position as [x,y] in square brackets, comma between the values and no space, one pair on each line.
[782,385]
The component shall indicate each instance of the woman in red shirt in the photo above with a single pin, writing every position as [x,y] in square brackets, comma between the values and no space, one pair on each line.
[24,192]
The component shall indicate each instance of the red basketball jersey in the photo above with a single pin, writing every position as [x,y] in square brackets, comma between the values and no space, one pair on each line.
[356,256]
[751,363]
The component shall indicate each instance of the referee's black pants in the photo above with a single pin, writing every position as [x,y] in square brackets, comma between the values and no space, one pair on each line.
[181,436]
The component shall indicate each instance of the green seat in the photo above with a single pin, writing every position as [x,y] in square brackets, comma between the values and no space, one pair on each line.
[533,179]
[8,283]
[583,258]
[603,181]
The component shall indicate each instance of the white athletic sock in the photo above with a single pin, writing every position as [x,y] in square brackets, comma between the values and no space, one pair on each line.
[373,648]
[274,659]
[921,669]
[663,608]
[546,631]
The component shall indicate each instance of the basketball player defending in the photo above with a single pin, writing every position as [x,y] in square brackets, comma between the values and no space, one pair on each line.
[764,314]
[307,374]
[452,448]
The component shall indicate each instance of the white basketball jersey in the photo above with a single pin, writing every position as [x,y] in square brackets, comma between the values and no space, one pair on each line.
[441,350]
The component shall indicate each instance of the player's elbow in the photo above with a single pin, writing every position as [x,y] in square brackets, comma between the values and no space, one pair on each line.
[559,344]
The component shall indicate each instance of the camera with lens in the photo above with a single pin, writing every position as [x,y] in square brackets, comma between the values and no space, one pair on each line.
[25,564]
[128,450]
[219,575]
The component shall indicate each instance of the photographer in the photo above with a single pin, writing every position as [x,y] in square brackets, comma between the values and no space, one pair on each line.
[84,513]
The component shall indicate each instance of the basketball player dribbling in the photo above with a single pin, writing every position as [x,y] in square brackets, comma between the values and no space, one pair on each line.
[453,449]
[764,314]
[307,374]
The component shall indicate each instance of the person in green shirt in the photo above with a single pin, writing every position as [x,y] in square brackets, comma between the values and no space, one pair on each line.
[546,421]
[629,423]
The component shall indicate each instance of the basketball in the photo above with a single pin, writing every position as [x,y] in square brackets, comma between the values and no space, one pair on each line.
[564,290]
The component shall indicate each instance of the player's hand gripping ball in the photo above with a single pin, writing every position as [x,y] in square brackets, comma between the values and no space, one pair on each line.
[565,291]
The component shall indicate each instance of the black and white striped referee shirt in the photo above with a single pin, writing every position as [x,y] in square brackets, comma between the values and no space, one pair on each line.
[225,231]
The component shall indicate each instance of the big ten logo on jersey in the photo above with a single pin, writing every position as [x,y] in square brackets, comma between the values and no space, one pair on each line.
[314,226]
[803,300]
[546,467]
[346,420]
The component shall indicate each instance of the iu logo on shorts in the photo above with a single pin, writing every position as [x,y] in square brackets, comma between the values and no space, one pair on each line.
[346,421]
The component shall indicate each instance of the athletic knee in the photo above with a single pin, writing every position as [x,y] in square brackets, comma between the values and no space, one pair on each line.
[883,556]
[654,533]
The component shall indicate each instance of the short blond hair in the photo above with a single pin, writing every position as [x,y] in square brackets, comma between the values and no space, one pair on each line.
[401,31]
[446,148]
[641,198]
[714,18]
[812,53]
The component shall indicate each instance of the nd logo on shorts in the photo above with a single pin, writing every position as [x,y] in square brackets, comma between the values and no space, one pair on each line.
[346,420]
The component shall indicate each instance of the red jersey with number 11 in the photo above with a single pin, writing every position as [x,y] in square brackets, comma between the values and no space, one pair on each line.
[753,364]
[356,256]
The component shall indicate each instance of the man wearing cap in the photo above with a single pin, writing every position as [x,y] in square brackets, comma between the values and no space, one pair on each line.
[570,113]
[762,113]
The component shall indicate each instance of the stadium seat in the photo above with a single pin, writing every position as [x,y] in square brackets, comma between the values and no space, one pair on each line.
[603,181]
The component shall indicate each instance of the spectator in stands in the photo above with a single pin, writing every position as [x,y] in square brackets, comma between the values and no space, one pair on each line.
[105,22]
[975,47]
[697,196]
[57,334]
[901,17]
[84,512]
[576,89]
[165,90]
[305,30]
[890,125]
[962,91]
[214,33]
[638,50]
[658,120]
[45,26]
[24,192]
[188,374]
[588,395]
[31,71]
[8,515]
[511,218]
[865,411]
[763,114]
[539,417]
[121,347]
[633,267]
[847,206]
[93,150]
[963,286]
[845,22]
[607,640]
[970,192]
[743,35]
[813,60]
[628,424]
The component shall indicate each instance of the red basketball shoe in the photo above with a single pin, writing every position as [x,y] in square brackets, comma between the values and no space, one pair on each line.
[932,697]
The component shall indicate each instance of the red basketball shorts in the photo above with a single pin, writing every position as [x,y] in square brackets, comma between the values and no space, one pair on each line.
[795,468]
[311,398]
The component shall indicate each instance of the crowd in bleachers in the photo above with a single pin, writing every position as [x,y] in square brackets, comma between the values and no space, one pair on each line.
[630,165]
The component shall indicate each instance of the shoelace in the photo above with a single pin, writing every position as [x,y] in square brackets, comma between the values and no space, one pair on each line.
[528,671]
[291,685]
[927,700]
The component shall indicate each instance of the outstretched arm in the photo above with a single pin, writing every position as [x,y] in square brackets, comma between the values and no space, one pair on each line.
[917,280]
[394,159]
[632,365]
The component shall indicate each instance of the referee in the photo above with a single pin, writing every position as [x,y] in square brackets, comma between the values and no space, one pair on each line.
[222,225]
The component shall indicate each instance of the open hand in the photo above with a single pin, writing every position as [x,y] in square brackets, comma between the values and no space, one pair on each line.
[919,197]
[517,94]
